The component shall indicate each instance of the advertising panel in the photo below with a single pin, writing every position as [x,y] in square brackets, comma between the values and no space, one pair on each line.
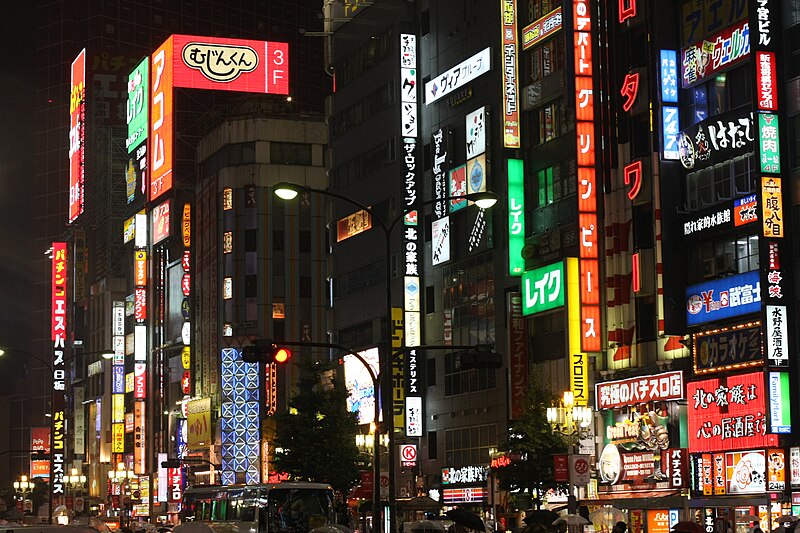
[543,288]
[728,413]
[77,106]
[139,437]
[198,423]
[642,389]
[360,385]
[161,120]
[517,357]
[670,133]
[723,298]
[240,383]
[780,406]
[351,225]
[458,76]
[440,240]
[703,59]
[223,64]
[766,81]
[716,139]
[746,472]
[769,143]
[161,222]
[117,438]
[669,76]
[542,28]
[511,128]
[137,105]
[476,133]
[579,366]
[516,217]
[777,340]
[726,348]
[59,329]
[772,206]
[40,441]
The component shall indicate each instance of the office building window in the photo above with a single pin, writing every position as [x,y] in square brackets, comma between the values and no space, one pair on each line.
[470,445]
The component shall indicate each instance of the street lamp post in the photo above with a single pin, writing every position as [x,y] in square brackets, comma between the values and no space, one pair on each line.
[571,421]
[122,476]
[23,487]
[289,191]
[75,482]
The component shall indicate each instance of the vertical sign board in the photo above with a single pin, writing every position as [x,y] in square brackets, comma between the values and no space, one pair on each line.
[587,184]
[776,286]
[411,414]
[516,217]
[670,124]
[508,17]
[578,361]
[780,408]
[137,105]
[77,107]
[398,400]
[186,61]
[517,357]
[58,332]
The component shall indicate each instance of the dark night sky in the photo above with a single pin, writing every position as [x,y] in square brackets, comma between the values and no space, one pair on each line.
[16,159]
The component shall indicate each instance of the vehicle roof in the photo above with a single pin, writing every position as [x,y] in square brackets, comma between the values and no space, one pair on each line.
[281,485]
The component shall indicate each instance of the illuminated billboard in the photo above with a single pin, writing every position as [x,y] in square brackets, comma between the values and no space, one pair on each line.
[240,415]
[137,105]
[360,386]
[216,63]
[77,106]
[728,413]
[723,298]
[508,17]
[516,217]
[543,289]
[704,59]
[542,28]
[59,329]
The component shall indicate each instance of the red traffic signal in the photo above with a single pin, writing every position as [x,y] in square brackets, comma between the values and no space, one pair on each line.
[270,353]
[281,354]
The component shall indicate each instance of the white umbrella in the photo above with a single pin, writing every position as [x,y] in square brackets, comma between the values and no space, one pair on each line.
[423,526]
[571,520]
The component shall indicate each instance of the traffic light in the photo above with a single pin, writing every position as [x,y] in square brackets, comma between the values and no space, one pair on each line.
[481,357]
[267,353]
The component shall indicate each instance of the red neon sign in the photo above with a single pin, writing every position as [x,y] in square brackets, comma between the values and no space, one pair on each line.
[76,126]
[636,281]
[630,90]
[633,177]
[766,77]
[627,10]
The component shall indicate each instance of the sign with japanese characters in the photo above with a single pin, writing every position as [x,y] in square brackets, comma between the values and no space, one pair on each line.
[635,391]
[476,133]
[408,85]
[542,28]
[769,143]
[676,466]
[464,474]
[459,75]
[726,348]
[517,357]
[77,123]
[508,17]
[588,226]
[745,210]
[745,472]
[766,81]
[716,139]
[728,413]
[777,339]
[670,132]
[723,298]
[705,58]
[669,76]
[516,216]
[59,316]
[543,288]
[772,206]
[137,105]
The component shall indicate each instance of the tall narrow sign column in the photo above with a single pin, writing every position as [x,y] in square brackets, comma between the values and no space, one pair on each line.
[59,316]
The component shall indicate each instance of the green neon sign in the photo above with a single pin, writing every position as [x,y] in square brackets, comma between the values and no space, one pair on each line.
[516,217]
[136,110]
[543,288]
[769,143]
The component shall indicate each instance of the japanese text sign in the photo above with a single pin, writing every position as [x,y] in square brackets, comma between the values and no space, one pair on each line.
[635,391]
[543,288]
[723,298]
[703,59]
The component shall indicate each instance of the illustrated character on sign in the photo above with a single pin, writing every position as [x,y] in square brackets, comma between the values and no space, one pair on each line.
[655,437]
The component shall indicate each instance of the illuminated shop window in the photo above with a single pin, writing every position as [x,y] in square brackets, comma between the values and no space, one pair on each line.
[227,288]
[278,310]
[227,199]
[227,330]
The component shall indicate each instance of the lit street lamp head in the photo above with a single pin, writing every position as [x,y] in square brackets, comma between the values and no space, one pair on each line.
[287,191]
[484,200]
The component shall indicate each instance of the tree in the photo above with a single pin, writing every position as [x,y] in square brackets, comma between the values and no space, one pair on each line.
[315,439]
[533,441]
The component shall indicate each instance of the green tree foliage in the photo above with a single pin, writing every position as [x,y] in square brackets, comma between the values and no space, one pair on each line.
[533,439]
[315,439]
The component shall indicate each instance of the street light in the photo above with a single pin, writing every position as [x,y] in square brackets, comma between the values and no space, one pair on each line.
[571,421]
[24,487]
[122,476]
[74,482]
[484,200]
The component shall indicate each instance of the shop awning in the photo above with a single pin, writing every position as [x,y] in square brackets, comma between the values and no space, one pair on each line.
[654,499]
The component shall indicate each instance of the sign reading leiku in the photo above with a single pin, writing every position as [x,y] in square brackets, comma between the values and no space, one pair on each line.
[638,390]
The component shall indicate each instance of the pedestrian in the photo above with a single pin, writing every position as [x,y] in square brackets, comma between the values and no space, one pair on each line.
[619,527]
